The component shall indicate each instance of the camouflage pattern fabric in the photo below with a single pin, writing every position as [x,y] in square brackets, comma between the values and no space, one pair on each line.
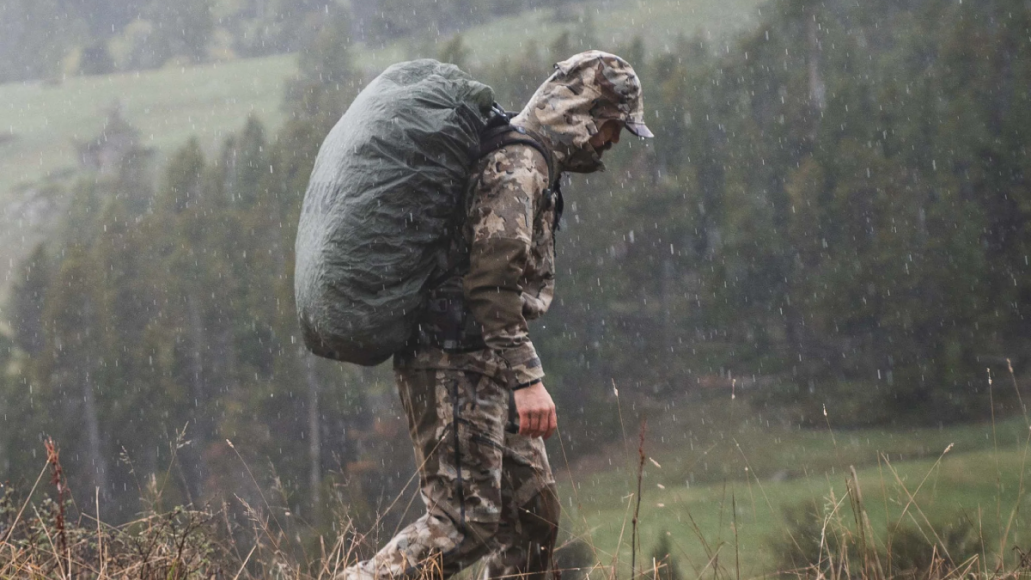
[511,276]
[583,92]
[487,492]
[509,248]
[509,238]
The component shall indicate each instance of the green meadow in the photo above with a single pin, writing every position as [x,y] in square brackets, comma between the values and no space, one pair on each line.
[40,121]
[723,491]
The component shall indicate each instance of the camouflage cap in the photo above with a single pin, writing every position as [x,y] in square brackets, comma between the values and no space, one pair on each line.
[611,83]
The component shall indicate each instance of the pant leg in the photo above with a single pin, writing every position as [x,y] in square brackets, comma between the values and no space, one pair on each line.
[525,541]
[456,421]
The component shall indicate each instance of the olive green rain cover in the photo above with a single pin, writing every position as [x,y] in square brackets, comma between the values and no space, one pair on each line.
[381,204]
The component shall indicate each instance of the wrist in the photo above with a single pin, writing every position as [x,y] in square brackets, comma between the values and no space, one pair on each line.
[527,384]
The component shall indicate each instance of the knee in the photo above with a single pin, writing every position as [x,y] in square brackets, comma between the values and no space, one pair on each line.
[482,531]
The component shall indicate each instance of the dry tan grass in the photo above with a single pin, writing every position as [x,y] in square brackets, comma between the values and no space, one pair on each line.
[48,537]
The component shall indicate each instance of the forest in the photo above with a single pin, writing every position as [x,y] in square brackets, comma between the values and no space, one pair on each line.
[50,38]
[834,214]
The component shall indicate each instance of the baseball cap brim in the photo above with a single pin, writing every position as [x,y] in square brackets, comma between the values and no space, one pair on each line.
[639,129]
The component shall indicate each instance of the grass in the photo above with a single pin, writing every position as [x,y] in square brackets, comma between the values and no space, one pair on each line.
[40,121]
[721,481]
[168,105]
[957,488]
[657,22]
[739,525]
[39,124]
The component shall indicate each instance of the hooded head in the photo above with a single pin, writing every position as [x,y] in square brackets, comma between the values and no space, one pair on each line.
[571,106]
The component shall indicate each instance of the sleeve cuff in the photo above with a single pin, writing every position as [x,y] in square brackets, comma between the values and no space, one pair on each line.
[527,385]
[524,367]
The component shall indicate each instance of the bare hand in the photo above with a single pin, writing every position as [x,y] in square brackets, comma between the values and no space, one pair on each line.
[536,410]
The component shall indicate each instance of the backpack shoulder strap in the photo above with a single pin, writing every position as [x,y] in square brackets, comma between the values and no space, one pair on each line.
[501,133]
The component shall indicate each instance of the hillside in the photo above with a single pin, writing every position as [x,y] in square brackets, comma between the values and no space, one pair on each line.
[40,122]
[818,263]
[706,457]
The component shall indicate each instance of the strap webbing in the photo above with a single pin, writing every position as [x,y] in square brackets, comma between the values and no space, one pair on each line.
[505,135]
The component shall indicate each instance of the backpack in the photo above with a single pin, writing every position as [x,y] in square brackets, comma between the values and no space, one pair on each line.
[385,198]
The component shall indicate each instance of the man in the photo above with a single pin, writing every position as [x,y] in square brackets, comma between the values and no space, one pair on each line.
[489,492]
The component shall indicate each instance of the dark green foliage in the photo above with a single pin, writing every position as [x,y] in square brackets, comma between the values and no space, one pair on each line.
[664,563]
[813,542]
[27,298]
[261,27]
[455,52]
[182,28]
[37,37]
[575,559]
[34,36]
[817,209]
[327,79]
[835,211]
[162,31]
[172,321]
[96,60]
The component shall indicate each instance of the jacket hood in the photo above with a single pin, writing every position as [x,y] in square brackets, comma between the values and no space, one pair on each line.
[569,107]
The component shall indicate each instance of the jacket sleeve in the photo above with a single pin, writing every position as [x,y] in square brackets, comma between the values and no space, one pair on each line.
[501,229]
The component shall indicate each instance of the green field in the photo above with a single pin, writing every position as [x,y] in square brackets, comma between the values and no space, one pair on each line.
[657,22]
[700,471]
[170,105]
[39,122]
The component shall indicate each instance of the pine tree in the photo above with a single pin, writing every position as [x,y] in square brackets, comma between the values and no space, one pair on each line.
[326,82]
[68,369]
[27,301]
[183,182]
[182,28]
[455,52]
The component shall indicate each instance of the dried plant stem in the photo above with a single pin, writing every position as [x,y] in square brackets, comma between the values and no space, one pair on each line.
[100,536]
[619,542]
[872,568]
[622,425]
[1020,497]
[1016,389]
[911,501]
[637,509]
[57,480]
[998,468]
[576,494]
[737,544]
[17,518]
[245,560]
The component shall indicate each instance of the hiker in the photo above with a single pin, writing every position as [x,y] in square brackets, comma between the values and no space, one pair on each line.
[488,490]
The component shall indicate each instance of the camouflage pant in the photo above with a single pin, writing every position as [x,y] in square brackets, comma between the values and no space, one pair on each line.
[487,492]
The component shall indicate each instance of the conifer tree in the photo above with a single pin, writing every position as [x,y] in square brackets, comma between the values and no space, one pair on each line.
[27,302]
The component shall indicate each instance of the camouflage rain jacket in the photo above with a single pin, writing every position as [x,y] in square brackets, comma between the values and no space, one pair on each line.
[509,232]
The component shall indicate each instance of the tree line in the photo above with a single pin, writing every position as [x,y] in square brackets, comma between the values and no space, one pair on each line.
[45,39]
[834,214]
